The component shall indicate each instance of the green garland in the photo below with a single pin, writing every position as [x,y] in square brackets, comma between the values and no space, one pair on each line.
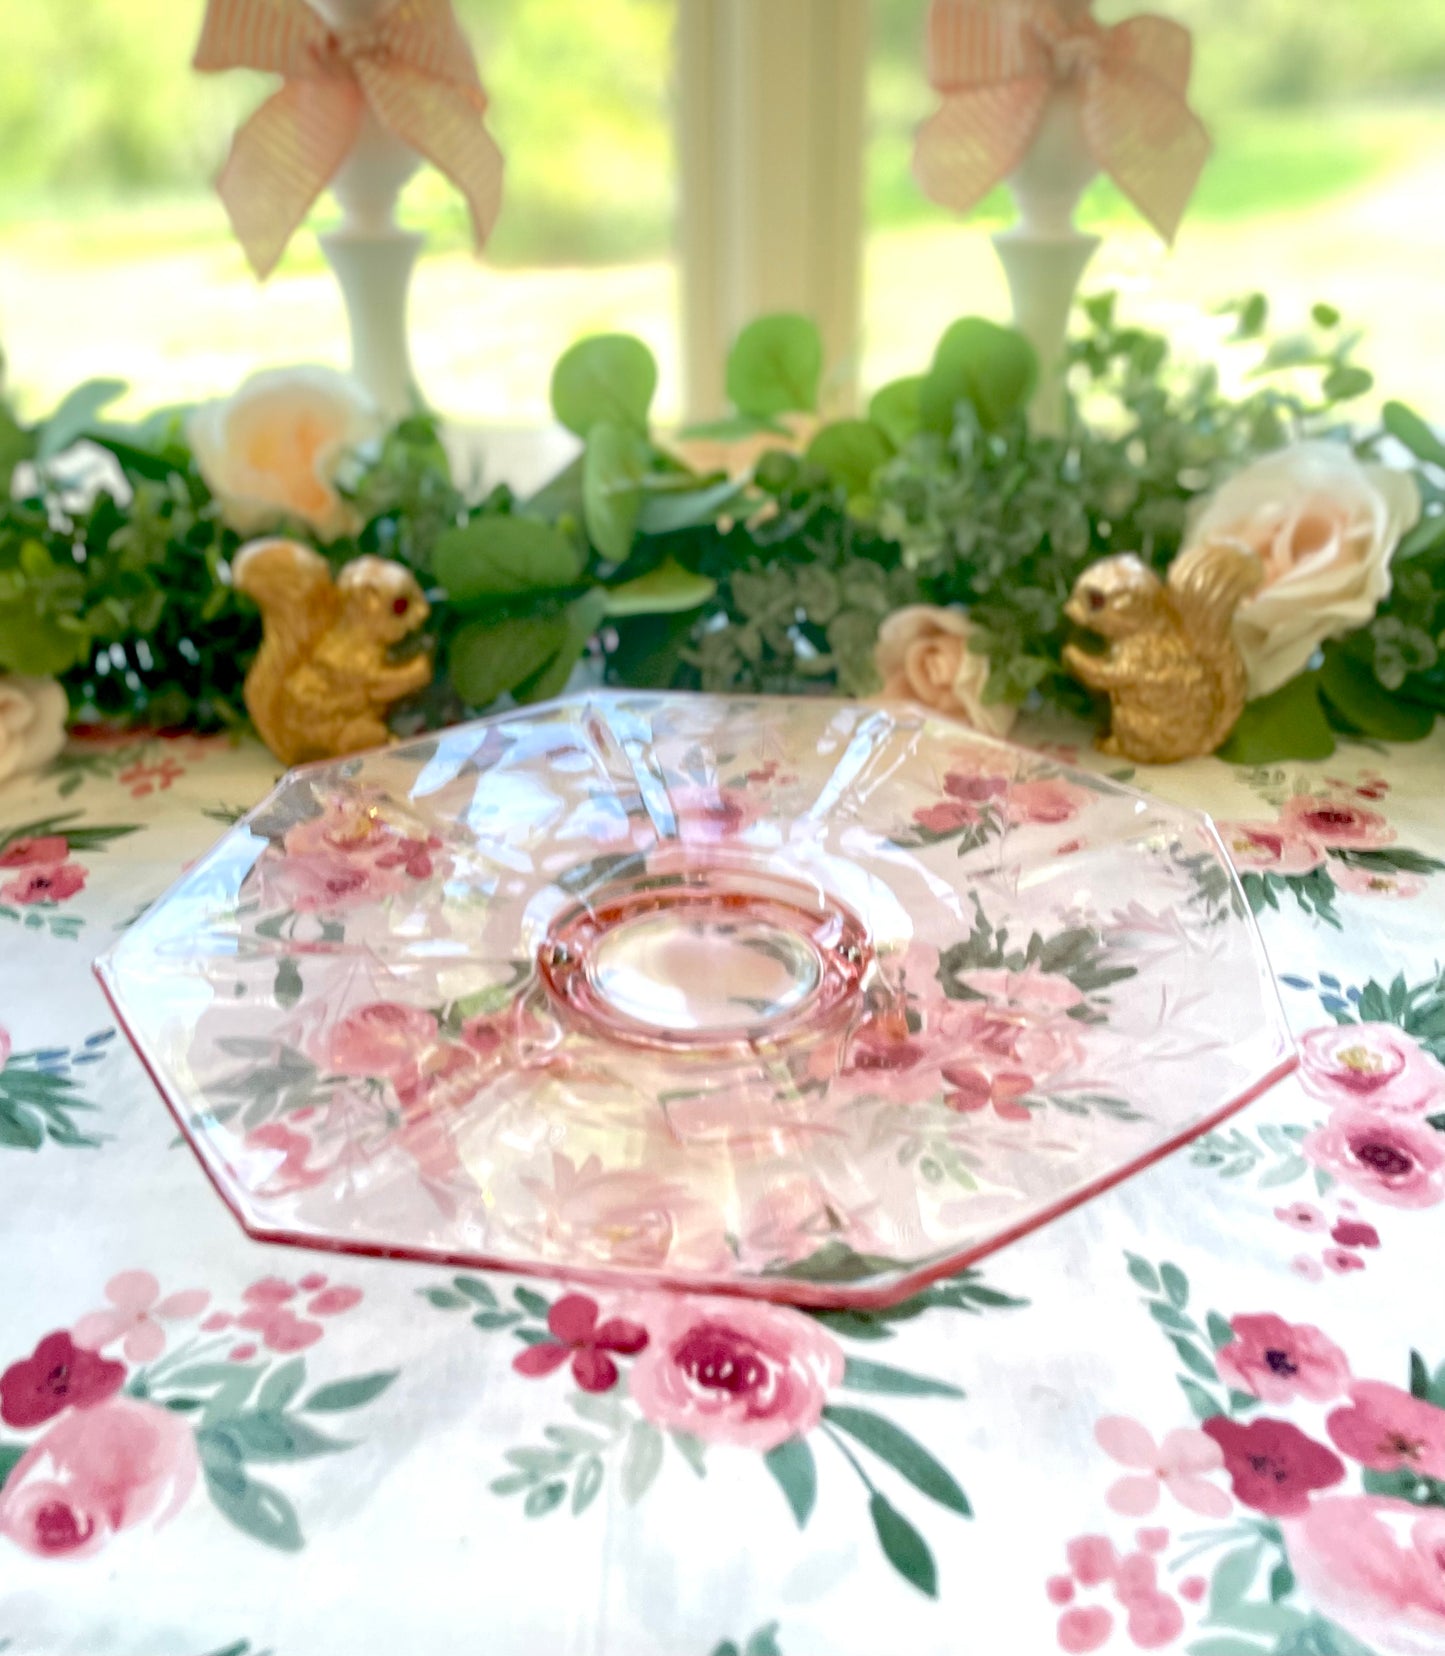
[775,581]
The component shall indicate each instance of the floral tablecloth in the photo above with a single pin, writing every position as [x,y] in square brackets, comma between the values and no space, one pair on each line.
[1204,1413]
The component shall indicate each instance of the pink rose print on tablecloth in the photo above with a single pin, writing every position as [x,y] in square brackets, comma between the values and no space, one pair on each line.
[1338,824]
[1153,1619]
[972,1089]
[268,1309]
[95,1472]
[1047,800]
[1275,1360]
[288,1158]
[1179,1464]
[1386,1157]
[1376,1568]
[384,1041]
[1387,1430]
[1372,1064]
[45,883]
[1355,1233]
[576,1334]
[59,1375]
[1273,1467]
[1271,847]
[135,1314]
[39,851]
[1375,882]
[729,1371]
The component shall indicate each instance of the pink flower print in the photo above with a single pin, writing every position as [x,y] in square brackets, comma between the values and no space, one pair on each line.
[1336,823]
[1371,1064]
[286,1153]
[143,779]
[314,1280]
[95,1472]
[1384,1156]
[974,788]
[1178,1464]
[1092,1559]
[1273,1467]
[59,1375]
[44,850]
[577,1334]
[971,1089]
[1136,1577]
[384,1041]
[1355,1233]
[47,883]
[269,1291]
[1155,1620]
[1031,990]
[948,816]
[414,856]
[132,1317]
[216,1321]
[1310,1269]
[1153,1540]
[1276,1361]
[1193,1588]
[331,1302]
[1375,882]
[1084,1628]
[1304,1216]
[242,1353]
[280,1328]
[735,1371]
[1274,847]
[1060,1589]
[627,1216]
[1376,1568]
[327,881]
[711,813]
[1341,1261]
[1049,800]
[1387,1430]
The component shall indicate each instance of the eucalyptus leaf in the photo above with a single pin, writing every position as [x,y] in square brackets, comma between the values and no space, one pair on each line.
[667,590]
[488,658]
[498,557]
[1406,427]
[896,409]
[1288,724]
[75,415]
[666,514]
[850,451]
[613,467]
[991,368]
[608,378]
[775,365]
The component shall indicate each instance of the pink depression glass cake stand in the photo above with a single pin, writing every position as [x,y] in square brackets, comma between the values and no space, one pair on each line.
[806,1000]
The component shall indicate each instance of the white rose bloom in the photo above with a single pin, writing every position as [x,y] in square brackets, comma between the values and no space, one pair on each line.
[1324,528]
[274,448]
[32,723]
[922,655]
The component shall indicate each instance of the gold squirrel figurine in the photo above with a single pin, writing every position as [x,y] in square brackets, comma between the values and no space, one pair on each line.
[1174,677]
[323,679]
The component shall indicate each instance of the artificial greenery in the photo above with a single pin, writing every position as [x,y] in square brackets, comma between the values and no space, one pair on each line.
[776,580]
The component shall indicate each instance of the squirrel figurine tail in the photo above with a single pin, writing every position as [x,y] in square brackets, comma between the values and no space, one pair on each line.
[1172,671]
[323,679]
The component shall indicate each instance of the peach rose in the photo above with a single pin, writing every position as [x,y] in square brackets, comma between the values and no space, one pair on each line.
[922,655]
[33,712]
[275,447]
[1325,528]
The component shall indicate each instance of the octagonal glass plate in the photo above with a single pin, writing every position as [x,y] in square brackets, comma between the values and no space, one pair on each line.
[801,999]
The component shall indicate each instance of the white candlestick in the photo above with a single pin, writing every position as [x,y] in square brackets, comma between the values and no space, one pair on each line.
[1043,255]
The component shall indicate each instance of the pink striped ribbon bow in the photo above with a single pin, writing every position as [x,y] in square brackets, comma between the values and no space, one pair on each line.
[998,62]
[412,68]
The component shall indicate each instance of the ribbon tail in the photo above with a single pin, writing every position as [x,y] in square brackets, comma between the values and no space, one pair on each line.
[282,159]
[443,122]
[976,139]
[1149,142]
[257,34]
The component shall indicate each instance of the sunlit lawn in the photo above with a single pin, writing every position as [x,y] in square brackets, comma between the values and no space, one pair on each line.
[162,298]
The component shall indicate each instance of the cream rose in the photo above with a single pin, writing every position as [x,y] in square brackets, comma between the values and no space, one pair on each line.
[274,448]
[922,655]
[32,723]
[1325,528]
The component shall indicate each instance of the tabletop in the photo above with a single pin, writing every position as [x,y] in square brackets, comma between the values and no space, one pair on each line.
[1203,1412]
